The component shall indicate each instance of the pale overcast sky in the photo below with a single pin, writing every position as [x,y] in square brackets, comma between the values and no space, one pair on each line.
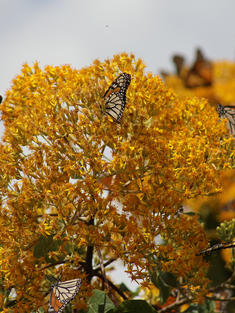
[76,32]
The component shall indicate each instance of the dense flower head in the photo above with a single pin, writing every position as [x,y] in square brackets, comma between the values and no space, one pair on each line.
[217,87]
[224,76]
[73,178]
[221,89]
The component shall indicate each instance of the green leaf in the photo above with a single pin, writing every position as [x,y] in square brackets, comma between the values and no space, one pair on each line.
[100,302]
[69,248]
[44,246]
[136,292]
[169,279]
[135,306]
[123,287]
[164,281]
[207,307]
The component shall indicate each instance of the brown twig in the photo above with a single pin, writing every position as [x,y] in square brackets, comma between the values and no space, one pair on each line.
[89,256]
[102,268]
[111,285]
[51,265]
[224,284]
[173,305]
[221,299]
[105,264]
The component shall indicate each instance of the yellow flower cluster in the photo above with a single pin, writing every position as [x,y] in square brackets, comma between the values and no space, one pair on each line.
[58,151]
[224,86]
[220,91]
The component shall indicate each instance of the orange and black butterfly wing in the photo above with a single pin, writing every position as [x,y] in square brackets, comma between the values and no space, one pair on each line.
[114,106]
[115,96]
[229,113]
[200,74]
[55,305]
[179,63]
[62,293]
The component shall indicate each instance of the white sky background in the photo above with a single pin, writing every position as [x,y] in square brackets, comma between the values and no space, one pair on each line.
[76,32]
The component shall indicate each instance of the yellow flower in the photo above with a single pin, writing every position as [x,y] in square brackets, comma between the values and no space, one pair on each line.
[57,148]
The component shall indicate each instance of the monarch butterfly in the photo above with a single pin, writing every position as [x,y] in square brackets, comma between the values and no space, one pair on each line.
[115,96]
[62,293]
[229,113]
[200,74]
[219,246]
[179,63]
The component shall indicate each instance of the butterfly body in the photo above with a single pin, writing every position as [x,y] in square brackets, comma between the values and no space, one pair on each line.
[62,293]
[115,96]
[229,113]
